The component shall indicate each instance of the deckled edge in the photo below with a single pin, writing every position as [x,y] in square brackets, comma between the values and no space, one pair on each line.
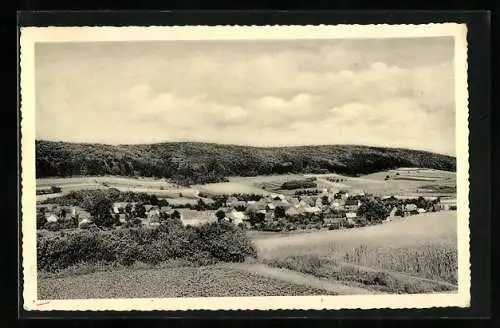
[39,303]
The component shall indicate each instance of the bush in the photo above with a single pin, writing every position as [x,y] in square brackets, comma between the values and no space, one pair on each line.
[205,244]
[298,184]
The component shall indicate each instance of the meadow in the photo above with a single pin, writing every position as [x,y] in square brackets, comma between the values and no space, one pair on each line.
[411,255]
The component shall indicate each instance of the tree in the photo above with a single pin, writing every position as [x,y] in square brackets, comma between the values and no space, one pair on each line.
[279,212]
[140,210]
[373,210]
[220,215]
[175,215]
[41,220]
[325,200]
[128,208]
[99,206]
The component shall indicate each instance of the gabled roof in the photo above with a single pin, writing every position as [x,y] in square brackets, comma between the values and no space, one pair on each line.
[314,209]
[410,207]
[292,211]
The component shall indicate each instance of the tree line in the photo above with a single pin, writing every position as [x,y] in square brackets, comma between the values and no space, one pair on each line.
[188,163]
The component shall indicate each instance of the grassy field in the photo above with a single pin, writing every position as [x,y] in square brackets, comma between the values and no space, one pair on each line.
[229,188]
[208,281]
[410,255]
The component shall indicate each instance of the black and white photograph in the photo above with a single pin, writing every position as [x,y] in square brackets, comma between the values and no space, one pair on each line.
[281,167]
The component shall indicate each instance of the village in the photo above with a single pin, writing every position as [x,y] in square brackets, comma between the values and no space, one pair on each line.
[305,209]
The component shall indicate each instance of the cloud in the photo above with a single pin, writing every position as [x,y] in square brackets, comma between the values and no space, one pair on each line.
[251,93]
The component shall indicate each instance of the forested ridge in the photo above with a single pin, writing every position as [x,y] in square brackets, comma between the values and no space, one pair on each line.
[193,162]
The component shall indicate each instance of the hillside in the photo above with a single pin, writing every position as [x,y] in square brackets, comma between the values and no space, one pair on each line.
[191,162]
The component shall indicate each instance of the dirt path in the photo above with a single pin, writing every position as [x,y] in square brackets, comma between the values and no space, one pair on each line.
[301,279]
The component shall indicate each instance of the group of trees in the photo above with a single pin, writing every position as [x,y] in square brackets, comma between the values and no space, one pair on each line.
[307,192]
[299,184]
[188,163]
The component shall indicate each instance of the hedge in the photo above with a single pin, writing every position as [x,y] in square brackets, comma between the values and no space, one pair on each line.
[205,244]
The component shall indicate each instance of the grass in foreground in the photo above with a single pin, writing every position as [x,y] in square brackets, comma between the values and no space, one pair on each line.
[415,255]
[205,281]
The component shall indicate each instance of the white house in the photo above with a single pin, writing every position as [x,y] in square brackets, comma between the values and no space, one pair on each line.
[313,210]
[51,217]
[237,217]
[350,215]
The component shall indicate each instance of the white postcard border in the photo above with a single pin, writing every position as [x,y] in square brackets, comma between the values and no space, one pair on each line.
[31,35]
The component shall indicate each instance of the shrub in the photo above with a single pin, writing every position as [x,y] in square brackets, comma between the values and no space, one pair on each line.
[203,245]
[298,184]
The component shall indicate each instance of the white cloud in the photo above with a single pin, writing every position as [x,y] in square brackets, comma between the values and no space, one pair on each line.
[323,94]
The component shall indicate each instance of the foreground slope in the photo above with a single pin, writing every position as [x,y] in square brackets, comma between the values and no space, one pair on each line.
[190,162]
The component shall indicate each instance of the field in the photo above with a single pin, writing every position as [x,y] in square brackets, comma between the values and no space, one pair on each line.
[229,188]
[209,281]
[401,182]
[414,254]
[157,187]
[409,255]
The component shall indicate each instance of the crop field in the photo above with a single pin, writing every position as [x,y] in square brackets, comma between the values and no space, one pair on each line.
[157,187]
[205,281]
[411,255]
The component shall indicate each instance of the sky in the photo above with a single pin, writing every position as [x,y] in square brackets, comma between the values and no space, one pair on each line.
[377,92]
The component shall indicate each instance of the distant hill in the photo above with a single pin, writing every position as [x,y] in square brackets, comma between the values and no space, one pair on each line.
[192,162]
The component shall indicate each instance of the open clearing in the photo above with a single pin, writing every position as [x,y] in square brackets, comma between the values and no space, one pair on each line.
[210,281]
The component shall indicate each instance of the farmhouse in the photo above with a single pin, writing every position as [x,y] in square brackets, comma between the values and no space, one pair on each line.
[153,212]
[313,210]
[119,207]
[51,217]
[237,217]
[449,204]
[410,209]
[292,211]
[283,204]
[351,215]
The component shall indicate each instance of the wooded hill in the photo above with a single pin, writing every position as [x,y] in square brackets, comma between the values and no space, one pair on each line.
[188,163]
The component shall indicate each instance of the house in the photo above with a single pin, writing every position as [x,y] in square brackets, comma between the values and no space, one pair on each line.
[270,207]
[122,218]
[292,211]
[335,205]
[351,215]
[421,210]
[295,202]
[154,211]
[165,209]
[231,201]
[52,217]
[84,224]
[303,204]
[238,203]
[410,209]
[119,207]
[318,203]
[313,210]
[283,204]
[352,205]
[255,208]
[236,216]
[449,204]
